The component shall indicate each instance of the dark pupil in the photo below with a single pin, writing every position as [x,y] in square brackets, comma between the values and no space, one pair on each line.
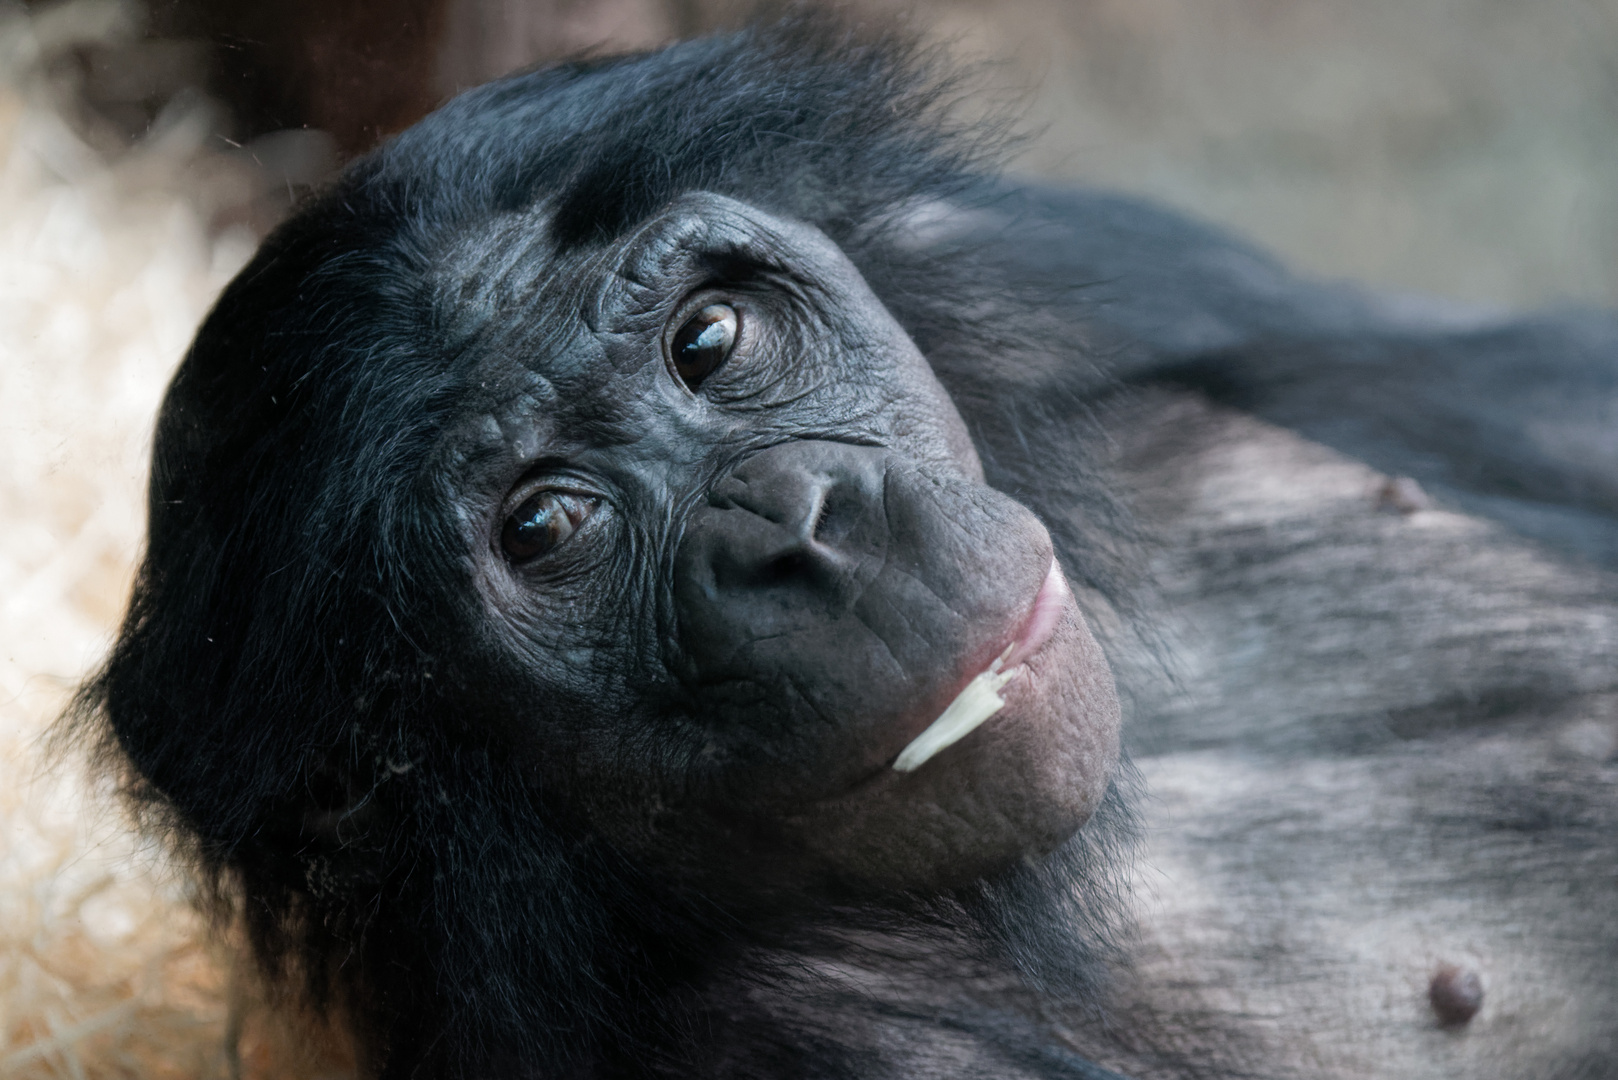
[703,343]
[539,525]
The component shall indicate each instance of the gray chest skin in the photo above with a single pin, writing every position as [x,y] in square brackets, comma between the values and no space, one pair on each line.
[1378,739]
[1393,747]
[1379,728]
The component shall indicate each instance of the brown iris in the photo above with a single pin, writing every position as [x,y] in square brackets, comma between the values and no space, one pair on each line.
[542,522]
[703,343]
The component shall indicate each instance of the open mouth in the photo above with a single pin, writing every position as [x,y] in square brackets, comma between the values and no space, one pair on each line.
[980,698]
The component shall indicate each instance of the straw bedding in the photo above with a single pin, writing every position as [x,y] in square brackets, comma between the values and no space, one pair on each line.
[110,252]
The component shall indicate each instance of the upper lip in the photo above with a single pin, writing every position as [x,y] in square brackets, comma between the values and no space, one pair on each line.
[964,714]
[1044,614]
[1034,631]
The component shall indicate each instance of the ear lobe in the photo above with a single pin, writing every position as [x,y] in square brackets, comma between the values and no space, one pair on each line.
[340,807]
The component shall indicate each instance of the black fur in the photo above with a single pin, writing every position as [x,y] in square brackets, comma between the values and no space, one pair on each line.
[286,656]
[299,692]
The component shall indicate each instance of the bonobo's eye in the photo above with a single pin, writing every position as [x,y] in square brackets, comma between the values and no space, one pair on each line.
[703,342]
[541,522]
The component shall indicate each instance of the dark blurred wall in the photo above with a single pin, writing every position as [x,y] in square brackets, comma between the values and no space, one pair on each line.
[1462,147]
[362,69]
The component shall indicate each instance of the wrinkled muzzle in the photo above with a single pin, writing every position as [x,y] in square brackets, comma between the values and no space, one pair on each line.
[842,582]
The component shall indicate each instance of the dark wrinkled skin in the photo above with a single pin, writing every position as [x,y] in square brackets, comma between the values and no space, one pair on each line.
[837,569]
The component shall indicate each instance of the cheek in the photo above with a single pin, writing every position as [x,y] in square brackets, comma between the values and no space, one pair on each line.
[1017,787]
[927,407]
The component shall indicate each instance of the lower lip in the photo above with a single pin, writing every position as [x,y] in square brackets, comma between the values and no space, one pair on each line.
[1050,603]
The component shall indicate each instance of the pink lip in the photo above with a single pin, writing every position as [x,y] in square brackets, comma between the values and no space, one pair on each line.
[1038,627]
[1049,605]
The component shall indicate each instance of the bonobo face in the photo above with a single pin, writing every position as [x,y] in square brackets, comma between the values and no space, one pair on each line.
[734,555]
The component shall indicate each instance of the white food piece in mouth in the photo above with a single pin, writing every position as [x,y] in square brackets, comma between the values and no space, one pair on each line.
[977,701]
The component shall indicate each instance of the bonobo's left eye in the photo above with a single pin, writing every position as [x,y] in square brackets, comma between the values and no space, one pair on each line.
[543,521]
[703,342]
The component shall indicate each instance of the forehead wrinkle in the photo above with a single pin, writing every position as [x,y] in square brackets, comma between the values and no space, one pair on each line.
[488,250]
[502,267]
[694,221]
[535,313]
[505,294]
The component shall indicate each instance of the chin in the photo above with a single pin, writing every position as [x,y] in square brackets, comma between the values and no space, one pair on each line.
[1016,787]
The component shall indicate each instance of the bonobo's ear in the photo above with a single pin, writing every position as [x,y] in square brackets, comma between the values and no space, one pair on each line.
[337,805]
[337,828]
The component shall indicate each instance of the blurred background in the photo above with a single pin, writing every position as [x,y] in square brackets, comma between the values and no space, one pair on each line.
[1464,148]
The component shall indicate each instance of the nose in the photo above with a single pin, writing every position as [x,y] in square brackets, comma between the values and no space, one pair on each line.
[793,515]
[785,541]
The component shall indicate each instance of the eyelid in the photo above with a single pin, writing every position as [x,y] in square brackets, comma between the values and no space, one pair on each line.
[694,301]
[525,491]
[549,475]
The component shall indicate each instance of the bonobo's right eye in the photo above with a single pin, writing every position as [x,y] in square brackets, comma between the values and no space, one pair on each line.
[543,521]
[703,342]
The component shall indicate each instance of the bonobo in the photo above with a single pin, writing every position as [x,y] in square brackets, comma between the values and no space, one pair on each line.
[630,566]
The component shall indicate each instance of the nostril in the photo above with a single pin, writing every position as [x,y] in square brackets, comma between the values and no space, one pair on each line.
[791,565]
[802,514]
[821,513]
